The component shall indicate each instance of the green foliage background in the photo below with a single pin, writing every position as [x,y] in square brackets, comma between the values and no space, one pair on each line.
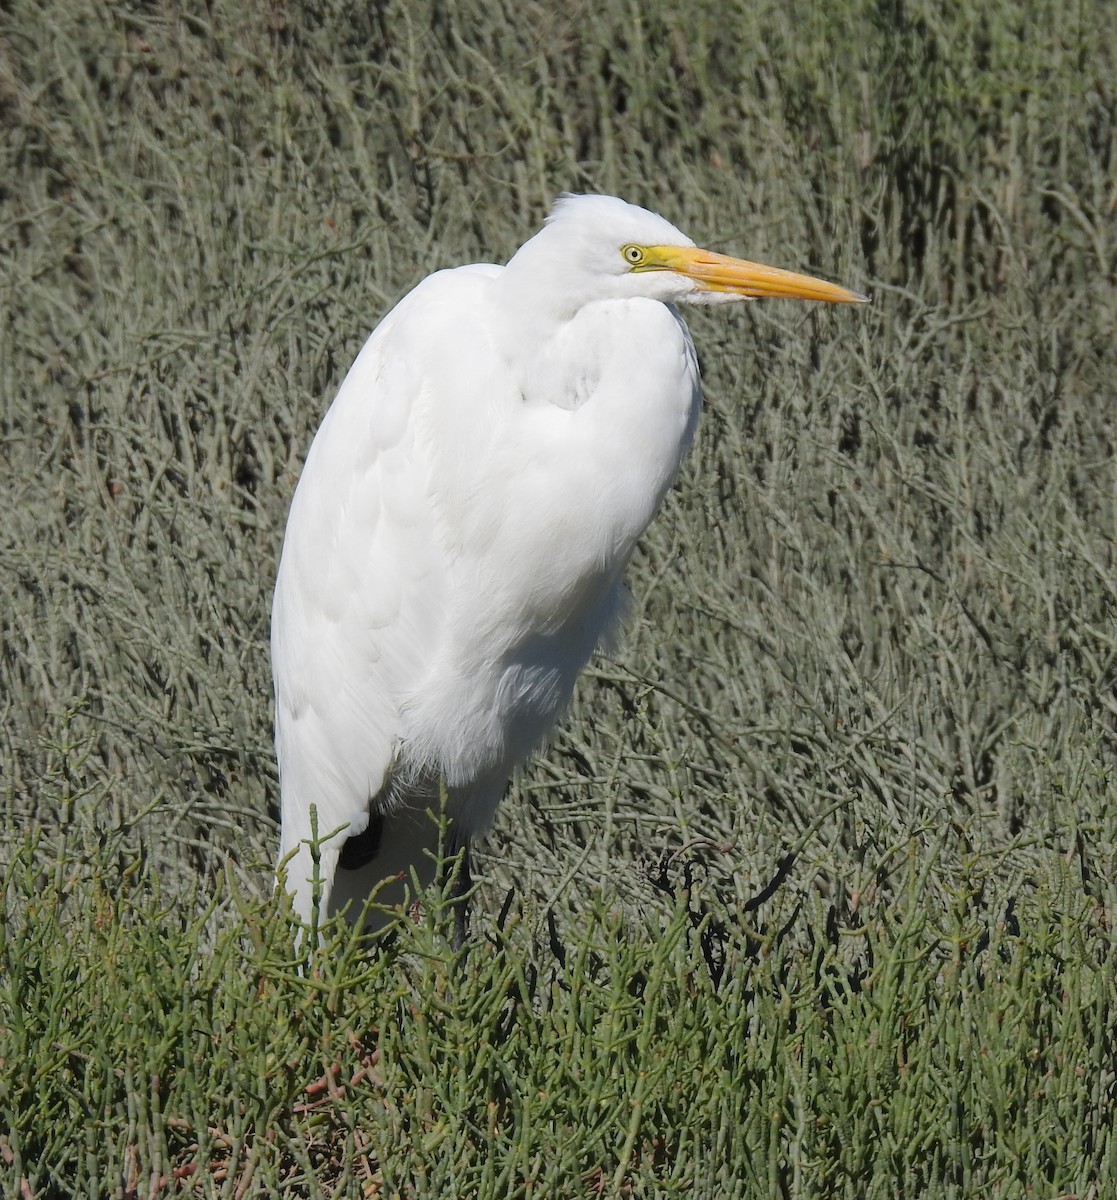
[814,894]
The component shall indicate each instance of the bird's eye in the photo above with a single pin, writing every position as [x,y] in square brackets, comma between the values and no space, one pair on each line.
[633,255]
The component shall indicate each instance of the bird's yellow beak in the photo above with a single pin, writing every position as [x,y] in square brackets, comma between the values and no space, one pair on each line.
[720,273]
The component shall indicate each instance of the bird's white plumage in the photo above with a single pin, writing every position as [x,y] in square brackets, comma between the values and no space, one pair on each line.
[456,543]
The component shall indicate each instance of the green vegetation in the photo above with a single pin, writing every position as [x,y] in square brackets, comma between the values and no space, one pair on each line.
[814,895]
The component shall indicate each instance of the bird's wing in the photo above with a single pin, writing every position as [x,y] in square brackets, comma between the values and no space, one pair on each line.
[358,603]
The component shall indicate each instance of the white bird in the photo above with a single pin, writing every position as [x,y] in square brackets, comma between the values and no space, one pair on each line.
[456,544]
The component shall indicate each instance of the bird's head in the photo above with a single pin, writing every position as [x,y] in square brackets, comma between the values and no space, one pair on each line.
[601,248]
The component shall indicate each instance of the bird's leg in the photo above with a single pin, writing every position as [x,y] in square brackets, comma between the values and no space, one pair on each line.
[461,883]
[360,850]
[456,881]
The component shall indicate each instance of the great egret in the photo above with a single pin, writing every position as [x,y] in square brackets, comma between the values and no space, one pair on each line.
[456,543]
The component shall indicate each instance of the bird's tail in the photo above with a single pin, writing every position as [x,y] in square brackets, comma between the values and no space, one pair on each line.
[398,853]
